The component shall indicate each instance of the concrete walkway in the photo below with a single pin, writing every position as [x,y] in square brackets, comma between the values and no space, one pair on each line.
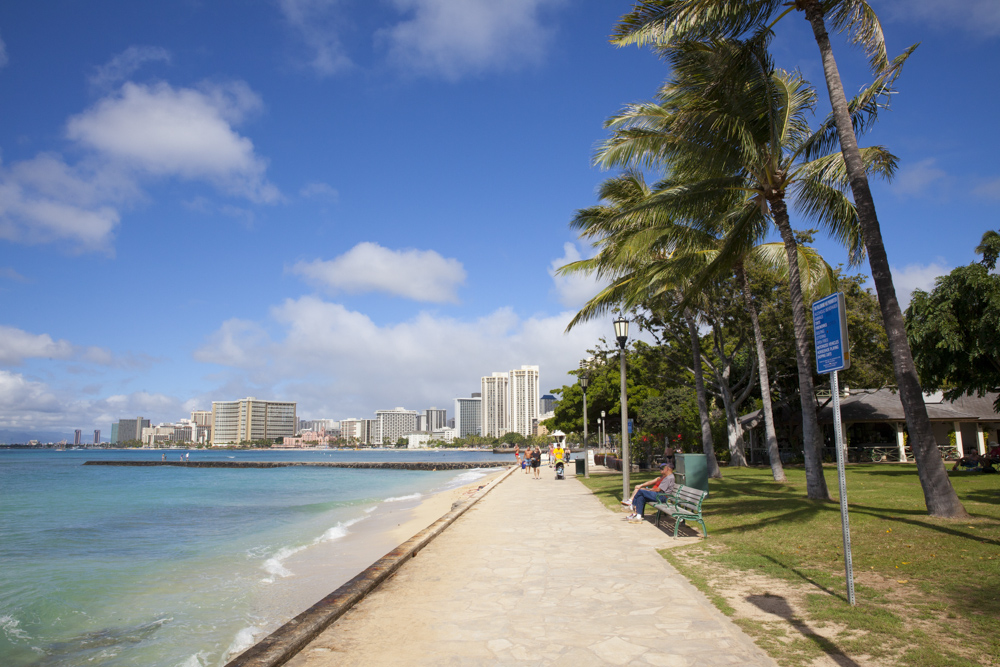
[538,572]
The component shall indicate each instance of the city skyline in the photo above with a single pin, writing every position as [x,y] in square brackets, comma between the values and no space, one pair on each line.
[360,204]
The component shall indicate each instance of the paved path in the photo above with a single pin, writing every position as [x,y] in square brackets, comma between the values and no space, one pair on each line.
[539,572]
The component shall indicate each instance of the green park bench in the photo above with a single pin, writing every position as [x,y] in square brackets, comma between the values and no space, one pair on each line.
[683,505]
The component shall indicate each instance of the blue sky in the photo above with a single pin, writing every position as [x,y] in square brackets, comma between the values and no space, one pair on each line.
[358,205]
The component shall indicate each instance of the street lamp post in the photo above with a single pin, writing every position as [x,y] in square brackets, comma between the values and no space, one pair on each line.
[584,382]
[621,333]
[604,431]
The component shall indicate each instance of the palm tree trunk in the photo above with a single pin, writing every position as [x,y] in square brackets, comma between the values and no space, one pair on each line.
[707,443]
[734,432]
[811,441]
[777,470]
[939,494]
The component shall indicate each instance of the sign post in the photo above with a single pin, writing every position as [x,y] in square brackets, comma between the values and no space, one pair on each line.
[833,354]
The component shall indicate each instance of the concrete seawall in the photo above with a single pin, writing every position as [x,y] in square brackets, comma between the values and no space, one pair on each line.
[379,465]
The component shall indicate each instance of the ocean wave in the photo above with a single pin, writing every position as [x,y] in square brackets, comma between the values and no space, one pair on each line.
[196,660]
[338,531]
[9,625]
[371,509]
[275,565]
[469,476]
[243,640]
[396,499]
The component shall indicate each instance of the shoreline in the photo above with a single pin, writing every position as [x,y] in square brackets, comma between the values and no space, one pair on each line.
[328,566]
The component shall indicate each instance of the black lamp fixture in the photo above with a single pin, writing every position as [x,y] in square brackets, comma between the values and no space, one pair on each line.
[584,382]
[621,331]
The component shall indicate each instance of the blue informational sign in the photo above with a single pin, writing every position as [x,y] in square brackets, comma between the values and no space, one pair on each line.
[830,334]
[630,427]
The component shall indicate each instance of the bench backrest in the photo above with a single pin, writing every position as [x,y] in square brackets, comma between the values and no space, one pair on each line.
[690,498]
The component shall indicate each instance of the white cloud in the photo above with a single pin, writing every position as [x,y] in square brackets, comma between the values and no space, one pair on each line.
[16,345]
[988,190]
[980,17]
[44,200]
[10,273]
[3,54]
[20,397]
[34,408]
[916,276]
[346,364]
[917,179]
[319,191]
[138,133]
[182,132]
[122,66]
[576,289]
[454,38]
[421,275]
[318,22]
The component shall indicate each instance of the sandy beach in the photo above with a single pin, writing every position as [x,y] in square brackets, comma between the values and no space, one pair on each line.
[323,567]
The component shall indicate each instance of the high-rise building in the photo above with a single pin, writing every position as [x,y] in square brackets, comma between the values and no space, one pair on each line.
[495,415]
[129,430]
[469,416]
[435,419]
[251,419]
[97,436]
[394,424]
[114,434]
[523,399]
[549,403]
[77,435]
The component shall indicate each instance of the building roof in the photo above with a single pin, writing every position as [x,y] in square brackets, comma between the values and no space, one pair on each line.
[884,405]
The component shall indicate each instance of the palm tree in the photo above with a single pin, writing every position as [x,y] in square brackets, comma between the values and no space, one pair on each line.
[636,246]
[732,128]
[665,22]
[649,257]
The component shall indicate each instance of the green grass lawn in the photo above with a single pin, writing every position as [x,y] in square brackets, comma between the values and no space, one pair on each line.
[928,590]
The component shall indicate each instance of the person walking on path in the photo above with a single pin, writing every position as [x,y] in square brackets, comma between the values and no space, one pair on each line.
[650,491]
[536,461]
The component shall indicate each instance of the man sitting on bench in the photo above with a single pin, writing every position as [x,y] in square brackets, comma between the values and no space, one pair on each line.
[649,492]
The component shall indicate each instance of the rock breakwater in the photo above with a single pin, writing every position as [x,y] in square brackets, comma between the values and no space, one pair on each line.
[380,465]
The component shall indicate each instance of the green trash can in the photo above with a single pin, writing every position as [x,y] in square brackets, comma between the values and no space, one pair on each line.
[692,470]
[580,463]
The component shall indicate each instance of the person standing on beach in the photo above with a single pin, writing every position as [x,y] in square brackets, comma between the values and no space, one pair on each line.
[517,453]
[536,461]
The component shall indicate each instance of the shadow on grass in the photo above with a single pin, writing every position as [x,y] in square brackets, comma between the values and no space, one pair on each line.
[895,516]
[777,605]
[805,578]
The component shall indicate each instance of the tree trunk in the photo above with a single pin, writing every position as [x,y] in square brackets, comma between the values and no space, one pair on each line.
[811,442]
[777,470]
[939,495]
[707,443]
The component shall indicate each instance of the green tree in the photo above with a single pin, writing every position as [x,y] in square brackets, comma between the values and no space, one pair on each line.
[734,131]
[954,330]
[512,438]
[662,23]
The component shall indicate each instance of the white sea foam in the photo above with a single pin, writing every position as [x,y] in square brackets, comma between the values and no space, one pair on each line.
[371,509]
[396,499]
[469,476]
[243,640]
[338,531]
[9,625]
[275,565]
[196,660]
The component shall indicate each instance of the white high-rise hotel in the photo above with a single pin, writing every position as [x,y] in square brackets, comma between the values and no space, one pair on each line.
[510,401]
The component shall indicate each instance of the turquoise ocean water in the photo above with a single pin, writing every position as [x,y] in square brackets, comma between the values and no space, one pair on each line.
[182,567]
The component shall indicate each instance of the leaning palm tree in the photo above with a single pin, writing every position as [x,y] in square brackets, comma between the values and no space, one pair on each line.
[647,254]
[663,23]
[636,248]
[732,128]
